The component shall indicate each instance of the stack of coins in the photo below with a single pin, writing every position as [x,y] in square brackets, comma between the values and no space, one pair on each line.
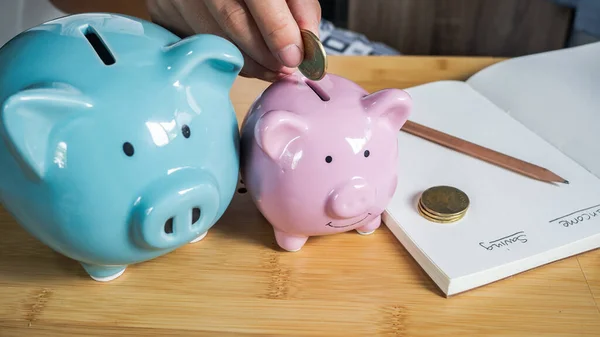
[443,204]
[314,64]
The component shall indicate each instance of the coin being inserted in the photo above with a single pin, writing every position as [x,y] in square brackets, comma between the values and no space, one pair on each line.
[443,204]
[314,64]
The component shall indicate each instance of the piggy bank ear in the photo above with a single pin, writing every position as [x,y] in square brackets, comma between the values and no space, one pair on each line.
[392,105]
[276,130]
[209,57]
[30,119]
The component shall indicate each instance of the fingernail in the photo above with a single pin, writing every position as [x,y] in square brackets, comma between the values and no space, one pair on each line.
[290,56]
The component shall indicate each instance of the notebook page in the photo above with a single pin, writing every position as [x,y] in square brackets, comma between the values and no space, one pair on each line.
[555,94]
[511,216]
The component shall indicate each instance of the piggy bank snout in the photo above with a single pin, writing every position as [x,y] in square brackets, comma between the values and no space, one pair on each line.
[176,209]
[351,199]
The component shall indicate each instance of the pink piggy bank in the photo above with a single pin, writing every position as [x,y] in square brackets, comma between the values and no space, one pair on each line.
[320,158]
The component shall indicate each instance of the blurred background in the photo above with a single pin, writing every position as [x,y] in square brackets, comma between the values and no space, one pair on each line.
[470,27]
[504,28]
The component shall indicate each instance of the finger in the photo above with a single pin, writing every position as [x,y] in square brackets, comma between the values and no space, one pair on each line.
[279,30]
[255,70]
[195,14]
[165,14]
[307,14]
[234,18]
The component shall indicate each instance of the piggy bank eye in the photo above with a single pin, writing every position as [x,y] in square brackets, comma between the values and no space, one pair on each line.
[185,130]
[328,159]
[128,149]
[367,153]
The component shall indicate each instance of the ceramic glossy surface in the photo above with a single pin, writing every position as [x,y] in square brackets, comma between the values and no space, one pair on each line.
[321,157]
[119,140]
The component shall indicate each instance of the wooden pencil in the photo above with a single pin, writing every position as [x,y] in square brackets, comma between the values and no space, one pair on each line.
[482,153]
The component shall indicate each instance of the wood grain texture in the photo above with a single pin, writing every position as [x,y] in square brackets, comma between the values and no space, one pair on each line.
[463,27]
[590,266]
[237,282]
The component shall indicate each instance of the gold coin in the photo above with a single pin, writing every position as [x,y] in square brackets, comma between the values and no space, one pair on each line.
[439,219]
[444,201]
[314,64]
[436,220]
[441,215]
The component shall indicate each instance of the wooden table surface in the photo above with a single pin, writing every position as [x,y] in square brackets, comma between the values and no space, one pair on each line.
[236,281]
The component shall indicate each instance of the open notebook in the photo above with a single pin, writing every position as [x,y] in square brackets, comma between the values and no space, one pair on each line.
[542,108]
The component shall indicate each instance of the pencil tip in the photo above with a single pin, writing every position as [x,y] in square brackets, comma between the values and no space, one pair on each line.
[565,181]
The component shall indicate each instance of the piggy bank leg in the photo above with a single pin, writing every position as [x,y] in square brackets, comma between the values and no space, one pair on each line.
[370,227]
[103,273]
[291,243]
[199,238]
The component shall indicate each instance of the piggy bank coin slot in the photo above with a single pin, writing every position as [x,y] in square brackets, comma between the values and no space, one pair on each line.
[318,90]
[98,45]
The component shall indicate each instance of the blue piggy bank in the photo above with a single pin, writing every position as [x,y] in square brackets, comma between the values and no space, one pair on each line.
[119,139]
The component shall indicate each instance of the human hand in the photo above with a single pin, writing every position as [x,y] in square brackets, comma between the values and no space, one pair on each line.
[267,32]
